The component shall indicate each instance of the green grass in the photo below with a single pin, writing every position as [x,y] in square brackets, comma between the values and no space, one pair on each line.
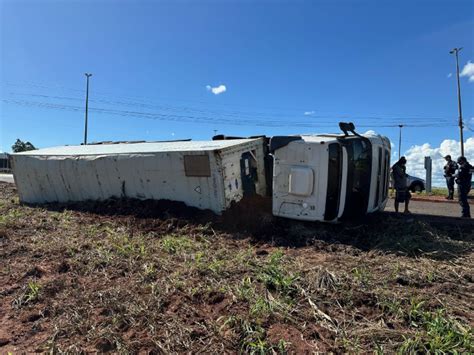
[10,218]
[245,291]
[435,191]
[439,333]
[149,271]
[129,247]
[262,307]
[251,336]
[30,294]
[173,244]
[362,275]
[415,311]
[275,277]
[390,306]
[33,291]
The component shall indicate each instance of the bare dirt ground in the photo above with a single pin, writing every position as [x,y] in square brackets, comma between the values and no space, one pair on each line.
[129,277]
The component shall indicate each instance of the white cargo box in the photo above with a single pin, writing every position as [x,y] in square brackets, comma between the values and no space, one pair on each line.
[202,174]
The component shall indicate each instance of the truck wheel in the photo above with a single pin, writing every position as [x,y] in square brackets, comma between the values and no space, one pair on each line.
[417,187]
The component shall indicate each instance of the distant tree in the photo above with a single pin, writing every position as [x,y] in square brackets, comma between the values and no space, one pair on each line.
[21,146]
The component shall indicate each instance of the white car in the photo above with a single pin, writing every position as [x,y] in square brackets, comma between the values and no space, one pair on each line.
[414,183]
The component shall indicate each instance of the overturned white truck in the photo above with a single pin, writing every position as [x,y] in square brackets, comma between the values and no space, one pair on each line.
[324,177]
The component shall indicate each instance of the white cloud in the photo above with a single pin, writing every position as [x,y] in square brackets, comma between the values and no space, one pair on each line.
[450,75]
[394,150]
[468,71]
[371,133]
[216,90]
[309,113]
[416,158]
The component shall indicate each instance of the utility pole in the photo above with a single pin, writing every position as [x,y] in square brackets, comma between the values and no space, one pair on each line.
[456,51]
[87,107]
[400,141]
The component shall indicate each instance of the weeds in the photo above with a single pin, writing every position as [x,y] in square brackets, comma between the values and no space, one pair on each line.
[261,307]
[64,218]
[441,334]
[128,247]
[415,311]
[362,275]
[11,217]
[149,270]
[175,244]
[217,266]
[275,277]
[431,276]
[391,306]
[245,290]
[33,291]
[251,335]
[30,295]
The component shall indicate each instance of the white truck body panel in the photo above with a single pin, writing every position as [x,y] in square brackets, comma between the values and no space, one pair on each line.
[140,170]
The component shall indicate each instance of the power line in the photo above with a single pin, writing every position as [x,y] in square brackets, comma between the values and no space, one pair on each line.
[298,111]
[389,121]
[206,119]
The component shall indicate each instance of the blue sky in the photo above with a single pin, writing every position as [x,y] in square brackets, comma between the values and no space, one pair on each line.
[377,63]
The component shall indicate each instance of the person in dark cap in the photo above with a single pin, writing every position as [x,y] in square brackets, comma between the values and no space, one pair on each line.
[400,183]
[463,179]
[449,172]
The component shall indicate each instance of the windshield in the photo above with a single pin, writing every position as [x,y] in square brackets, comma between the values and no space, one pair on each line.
[334,181]
[359,169]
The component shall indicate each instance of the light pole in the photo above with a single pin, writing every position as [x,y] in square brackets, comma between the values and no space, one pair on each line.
[456,51]
[87,107]
[400,141]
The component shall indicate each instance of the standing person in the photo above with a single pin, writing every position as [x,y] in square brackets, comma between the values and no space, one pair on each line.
[449,172]
[400,183]
[463,179]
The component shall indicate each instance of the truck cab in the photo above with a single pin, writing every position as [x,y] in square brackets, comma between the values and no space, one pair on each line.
[330,177]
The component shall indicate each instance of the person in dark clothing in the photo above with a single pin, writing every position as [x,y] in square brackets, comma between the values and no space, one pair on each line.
[449,172]
[463,179]
[400,184]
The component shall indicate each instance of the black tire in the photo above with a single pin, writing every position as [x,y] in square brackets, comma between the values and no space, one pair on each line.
[417,187]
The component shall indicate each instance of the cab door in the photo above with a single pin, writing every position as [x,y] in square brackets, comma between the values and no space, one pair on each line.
[248,173]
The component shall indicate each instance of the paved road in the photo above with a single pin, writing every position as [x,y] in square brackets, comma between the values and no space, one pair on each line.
[6,178]
[431,208]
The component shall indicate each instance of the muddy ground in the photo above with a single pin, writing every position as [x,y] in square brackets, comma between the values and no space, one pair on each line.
[129,277]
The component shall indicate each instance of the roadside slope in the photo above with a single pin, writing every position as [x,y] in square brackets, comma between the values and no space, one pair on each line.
[148,276]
